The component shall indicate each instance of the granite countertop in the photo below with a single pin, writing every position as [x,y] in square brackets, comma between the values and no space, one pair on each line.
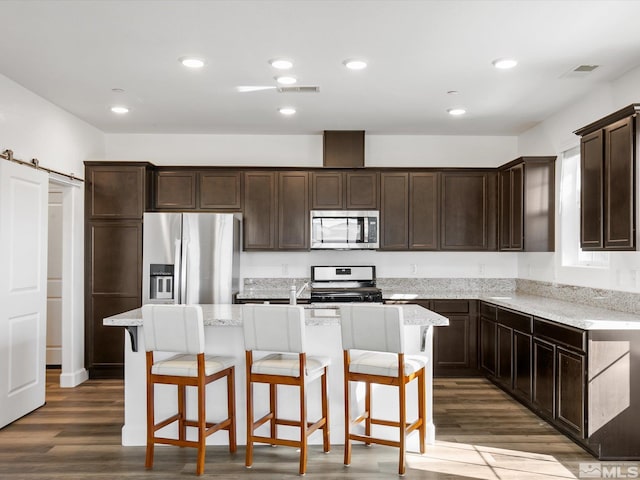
[567,313]
[225,315]
[270,294]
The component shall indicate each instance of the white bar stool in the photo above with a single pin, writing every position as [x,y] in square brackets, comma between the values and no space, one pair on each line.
[280,329]
[377,331]
[180,329]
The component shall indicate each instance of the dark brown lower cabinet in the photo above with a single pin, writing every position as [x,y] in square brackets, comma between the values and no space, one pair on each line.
[455,351]
[571,385]
[488,345]
[504,352]
[544,375]
[522,365]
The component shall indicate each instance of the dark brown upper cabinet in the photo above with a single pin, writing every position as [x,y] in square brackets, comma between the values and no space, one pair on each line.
[337,190]
[293,210]
[260,210]
[409,210]
[608,182]
[175,189]
[343,149]
[423,210]
[220,190]
[468,210]
[116,190]
[527,205]
[394,211]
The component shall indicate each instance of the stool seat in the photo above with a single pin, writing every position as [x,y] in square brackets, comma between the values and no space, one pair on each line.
[184,365]
[385,364]
[289,365]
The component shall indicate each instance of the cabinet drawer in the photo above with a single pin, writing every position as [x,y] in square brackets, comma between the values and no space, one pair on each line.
[488,311]
[517,321]
[450,306]
[572,337]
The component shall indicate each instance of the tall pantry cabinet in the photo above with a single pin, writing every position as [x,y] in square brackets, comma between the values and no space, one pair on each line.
[116,196]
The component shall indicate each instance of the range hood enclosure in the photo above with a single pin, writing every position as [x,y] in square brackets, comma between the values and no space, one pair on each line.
[343,149]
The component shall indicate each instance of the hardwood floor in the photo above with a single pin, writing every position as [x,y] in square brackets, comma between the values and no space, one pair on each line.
[481,433]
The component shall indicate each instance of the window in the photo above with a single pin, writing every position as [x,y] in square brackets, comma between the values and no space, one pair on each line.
[572,254]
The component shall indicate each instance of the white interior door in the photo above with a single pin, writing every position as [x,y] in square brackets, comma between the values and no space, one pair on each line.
[23,289]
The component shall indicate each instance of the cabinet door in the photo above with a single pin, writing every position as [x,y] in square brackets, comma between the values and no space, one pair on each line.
[394,215]
[455,346]
[423,211]
[505,209]
[571,394]
[327,190]
[517,207]
[619,186]
[260,209]
[362,190]
[115,191]
[220,190]
[522,365]
[465,210]
[544,377]
[293,211]
[175,190]
[504,353]
[488,342]
[591,183]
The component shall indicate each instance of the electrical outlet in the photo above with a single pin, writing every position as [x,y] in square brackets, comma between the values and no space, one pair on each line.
[633,277]
[285,269]
[481,269]
[414,268]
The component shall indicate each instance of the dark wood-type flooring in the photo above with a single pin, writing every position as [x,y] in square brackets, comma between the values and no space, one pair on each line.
[481,433]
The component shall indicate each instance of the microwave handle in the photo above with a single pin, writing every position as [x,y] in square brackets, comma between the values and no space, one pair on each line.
[365,236]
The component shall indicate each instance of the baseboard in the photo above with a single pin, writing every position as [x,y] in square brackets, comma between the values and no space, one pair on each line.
[70,380]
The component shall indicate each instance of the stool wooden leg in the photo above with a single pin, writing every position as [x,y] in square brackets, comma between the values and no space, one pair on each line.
[182,414]
[422,411]
[273,407]
[249,449]
[202,426]
[325,412]
[303,427]
[403,425]
[148,462]
[231,409]
[347,415]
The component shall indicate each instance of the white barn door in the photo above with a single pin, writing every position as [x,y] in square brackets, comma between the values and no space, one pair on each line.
[23,289]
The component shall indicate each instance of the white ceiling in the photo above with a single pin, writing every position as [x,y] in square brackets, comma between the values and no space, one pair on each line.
[73,53]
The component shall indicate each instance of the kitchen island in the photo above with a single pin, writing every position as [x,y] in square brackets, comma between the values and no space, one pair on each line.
[223,335]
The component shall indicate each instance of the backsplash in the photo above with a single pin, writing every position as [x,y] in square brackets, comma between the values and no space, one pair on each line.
[595,297]
[434,285]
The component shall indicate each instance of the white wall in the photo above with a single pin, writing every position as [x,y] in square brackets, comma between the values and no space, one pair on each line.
[33,127]
[554,136]
[306,150]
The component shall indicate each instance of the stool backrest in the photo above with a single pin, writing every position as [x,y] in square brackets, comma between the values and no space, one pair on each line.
[173,328]
[275,328]
[372,327]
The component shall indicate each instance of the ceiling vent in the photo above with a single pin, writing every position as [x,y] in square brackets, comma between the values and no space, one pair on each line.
[579,71]
[299,89]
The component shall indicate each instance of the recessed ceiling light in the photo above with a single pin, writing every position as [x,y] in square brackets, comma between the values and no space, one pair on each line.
[286,80]
[117,90]
[453,92]
[504,63]
[119,109]
[192,62]
[281,63]
[456,111]
[287,110]
[353,64]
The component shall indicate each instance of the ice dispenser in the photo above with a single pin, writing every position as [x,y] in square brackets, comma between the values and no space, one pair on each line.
[162,281]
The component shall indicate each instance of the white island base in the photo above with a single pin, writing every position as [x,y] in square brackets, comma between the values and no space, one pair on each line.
[224,337]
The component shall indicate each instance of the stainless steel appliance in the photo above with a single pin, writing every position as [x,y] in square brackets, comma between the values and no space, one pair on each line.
[190,257]
[345,229]
[335,284]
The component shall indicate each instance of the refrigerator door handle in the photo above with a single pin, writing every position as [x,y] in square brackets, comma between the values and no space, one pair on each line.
[177,282]
[183,273]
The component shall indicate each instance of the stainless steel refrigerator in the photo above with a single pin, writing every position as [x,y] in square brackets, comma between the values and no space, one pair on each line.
[190,257]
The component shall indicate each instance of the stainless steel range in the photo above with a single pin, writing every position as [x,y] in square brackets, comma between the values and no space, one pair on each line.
[336,284]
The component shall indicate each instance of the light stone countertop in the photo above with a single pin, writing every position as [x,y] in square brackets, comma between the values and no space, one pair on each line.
[226,315]
[567,313]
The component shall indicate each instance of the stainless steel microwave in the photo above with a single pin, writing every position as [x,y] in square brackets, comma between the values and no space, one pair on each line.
[345,229]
